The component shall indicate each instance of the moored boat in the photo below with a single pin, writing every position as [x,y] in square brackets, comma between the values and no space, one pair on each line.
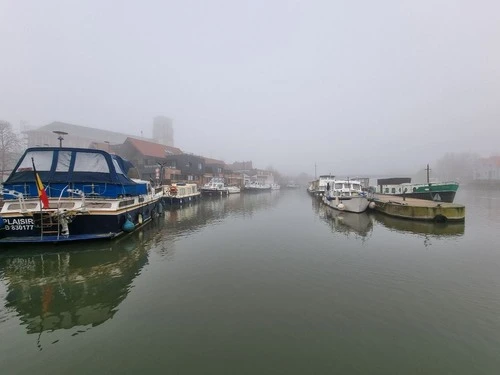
[180,193]
[73,194]
[292,185]
[256,187]
[433,191]
[346,195]
[233,190]
[318,187]
[215,187]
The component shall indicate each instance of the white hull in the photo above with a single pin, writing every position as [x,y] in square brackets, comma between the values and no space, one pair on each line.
[356,204]
[215,187]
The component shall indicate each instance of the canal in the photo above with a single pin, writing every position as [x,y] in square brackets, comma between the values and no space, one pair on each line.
[270,283]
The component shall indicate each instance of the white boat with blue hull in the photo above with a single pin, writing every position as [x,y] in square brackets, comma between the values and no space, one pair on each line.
[88,196]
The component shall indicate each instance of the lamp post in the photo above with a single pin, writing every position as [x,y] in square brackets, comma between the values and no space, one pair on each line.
[60,134]
[161,171]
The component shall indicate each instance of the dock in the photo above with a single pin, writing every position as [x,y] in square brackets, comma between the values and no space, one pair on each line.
[417,209]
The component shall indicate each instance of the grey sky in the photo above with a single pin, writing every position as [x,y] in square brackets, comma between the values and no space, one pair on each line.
[355,86]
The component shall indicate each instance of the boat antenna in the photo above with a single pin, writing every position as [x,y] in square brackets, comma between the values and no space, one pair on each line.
[428,170]
[60,133]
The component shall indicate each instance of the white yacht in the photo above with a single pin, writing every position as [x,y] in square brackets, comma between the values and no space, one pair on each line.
[346,195]
[233,189]
[318,187]
[257,186]
[215,187]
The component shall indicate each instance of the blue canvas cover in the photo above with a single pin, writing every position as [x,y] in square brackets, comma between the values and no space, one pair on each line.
[97,173]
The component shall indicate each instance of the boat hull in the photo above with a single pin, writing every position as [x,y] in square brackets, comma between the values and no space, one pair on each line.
[179,201]
[45,226]
[214,192]
[355,204]
[439,192]
[438,196]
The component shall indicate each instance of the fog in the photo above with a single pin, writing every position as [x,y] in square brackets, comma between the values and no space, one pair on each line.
[372,87]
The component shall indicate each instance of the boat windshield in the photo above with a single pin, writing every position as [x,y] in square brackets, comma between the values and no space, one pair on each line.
[41,159]
[63,161]
[90,162]
[117,167]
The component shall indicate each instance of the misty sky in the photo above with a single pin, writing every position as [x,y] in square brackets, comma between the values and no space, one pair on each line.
[355,86]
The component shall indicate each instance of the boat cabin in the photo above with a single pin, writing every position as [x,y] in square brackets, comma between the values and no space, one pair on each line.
[62,170]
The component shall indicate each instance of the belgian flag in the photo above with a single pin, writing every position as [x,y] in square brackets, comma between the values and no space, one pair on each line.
[42,194]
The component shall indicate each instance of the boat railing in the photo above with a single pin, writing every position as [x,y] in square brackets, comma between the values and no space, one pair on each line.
[19,196]
[77,192]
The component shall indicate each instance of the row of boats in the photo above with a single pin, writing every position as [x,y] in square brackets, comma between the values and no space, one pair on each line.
[73,194]
[217,187]
[350,195]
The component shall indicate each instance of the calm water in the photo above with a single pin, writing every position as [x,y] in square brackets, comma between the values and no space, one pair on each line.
[261,284]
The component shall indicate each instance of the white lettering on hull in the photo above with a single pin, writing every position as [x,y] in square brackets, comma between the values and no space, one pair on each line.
[23,223]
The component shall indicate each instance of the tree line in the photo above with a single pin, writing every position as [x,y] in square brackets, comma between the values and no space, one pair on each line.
[10,148]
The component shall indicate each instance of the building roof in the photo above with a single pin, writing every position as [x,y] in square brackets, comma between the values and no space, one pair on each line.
[153,149]
[212,161]
[492,160]
[394,181]
[84,132]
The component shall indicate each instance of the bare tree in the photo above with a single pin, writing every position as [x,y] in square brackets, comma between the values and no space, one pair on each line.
[276,174]
[10,145]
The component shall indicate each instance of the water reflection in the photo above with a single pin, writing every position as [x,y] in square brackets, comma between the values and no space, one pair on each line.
[77,286]
[421,227]
[346,223]
[246,204]
[189,219]
[209,210]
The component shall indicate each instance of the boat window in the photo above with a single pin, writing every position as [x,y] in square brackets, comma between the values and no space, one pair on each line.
[63,161]
[90,162]
[393,190]
[386,190]
[118,169]
[100,204]
[338,186]
[41,159]
[356,186]
[17,206]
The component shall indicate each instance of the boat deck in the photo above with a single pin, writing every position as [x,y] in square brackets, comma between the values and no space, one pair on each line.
[418,209]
